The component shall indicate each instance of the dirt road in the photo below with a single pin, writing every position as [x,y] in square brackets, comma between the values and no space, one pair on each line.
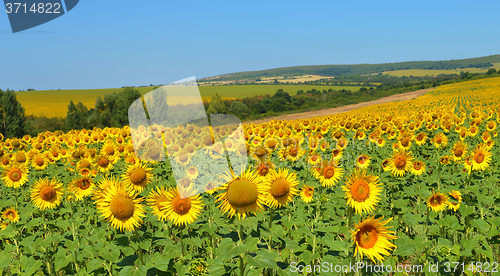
[310,114]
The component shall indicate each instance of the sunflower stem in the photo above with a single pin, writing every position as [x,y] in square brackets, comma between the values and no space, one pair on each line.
[139,249]
[242,265]
[271,215]
[183,253]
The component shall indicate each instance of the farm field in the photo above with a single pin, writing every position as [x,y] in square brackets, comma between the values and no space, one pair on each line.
[422,72]
[403,184]
[55,102]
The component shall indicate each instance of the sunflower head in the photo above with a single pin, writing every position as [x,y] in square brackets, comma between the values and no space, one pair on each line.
[47,194]
[281,186]
[373,239]
[437,202]
[11,214]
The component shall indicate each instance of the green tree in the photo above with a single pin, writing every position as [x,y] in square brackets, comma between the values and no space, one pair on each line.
[216,105]
[13,118]
[239,109]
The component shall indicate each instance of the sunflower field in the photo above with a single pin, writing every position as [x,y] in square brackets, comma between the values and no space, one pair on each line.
[408,183]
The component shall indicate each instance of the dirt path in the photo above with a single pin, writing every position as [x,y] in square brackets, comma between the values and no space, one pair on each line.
[310,114]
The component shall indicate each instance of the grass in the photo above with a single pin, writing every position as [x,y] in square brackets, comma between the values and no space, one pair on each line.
[423,72]
[54,103]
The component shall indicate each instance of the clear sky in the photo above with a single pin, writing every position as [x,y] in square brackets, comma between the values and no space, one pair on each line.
[108,44]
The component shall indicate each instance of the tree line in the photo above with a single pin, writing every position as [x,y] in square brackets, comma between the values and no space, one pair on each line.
[112,109]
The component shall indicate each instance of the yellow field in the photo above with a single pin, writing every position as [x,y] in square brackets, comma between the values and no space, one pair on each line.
[423,72]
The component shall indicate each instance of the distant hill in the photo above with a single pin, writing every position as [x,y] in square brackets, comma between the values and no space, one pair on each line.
[359,69]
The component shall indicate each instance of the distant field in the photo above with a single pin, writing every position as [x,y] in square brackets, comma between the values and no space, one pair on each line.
[54,103]
[422,72]
[241,91]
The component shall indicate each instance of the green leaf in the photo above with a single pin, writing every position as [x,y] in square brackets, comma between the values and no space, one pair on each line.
[405,250]
[481,225]
[5,259]
[62,260]
[134,271]
[264,259]
[31,265]
[277,231]
[332,229]
[229,249]
[94,264]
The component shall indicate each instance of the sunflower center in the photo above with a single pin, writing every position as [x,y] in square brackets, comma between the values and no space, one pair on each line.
[39,162]
[260,152]
[48,193]
[84,183]
[122,207]
[103,162]
[293,152]
[405,142]
[271,144]
[308,192]
[181,206]
[458,152]
[263,170]
[280,188]
[242,149]
[328,172]
[109,150]
[361,160]
[436,201]
[400,162]
[183,158]
[479,157]
[21,158]
[417,166]
[15,175]
[367,236]
[85,163]
[137,176]
[154,154]
[242,193]
[360,190]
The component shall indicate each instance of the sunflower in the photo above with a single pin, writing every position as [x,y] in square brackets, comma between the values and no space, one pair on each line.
[137,176]
[15,176]
[363,161]
[342,143]
[104,163]
[192,173]
[119,205]
[468,164]
[401,162]
[81,187]
[179,210]
[445,160]
[380,142]
[440,140]
[306,193]
[313,159]
[438,202]
[456,195]
[281,186]
[291,153]
[373,239]
[405,140]
[386,165]
[481,158]
[337,154]
[418,168]
[264,166]
[156,197]
[242,194]
[458,151]
[328,173]
[47,194]
[362,191]
[11,214]
[39,162]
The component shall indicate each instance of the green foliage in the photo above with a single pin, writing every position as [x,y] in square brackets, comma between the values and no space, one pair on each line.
[239,109]
[12,118]
[216,105]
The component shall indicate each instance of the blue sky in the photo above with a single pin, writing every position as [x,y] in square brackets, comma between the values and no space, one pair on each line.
[107,44]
